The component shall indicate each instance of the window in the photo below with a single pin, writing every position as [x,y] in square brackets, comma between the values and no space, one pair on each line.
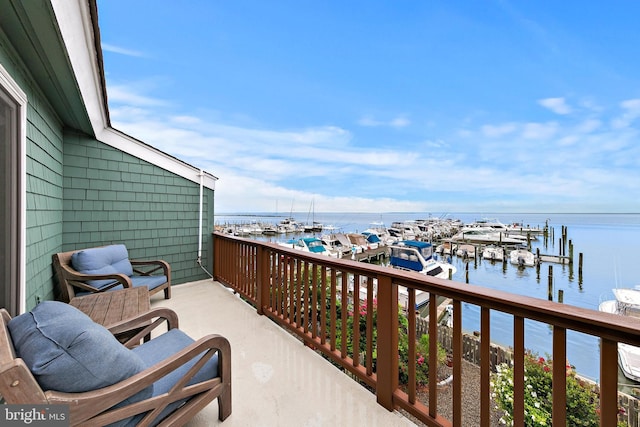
[12,120]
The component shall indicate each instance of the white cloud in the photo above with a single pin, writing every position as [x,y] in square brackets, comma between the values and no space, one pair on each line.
[121,94]
[496,131]
[120,50]
[557,105]
[631,111]
[539,131]
[497,164]
[397,122]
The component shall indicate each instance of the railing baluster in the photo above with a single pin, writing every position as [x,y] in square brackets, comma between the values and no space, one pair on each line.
[334,300]
[291,284]
[518,371]
[356,320]
[314,301]
[485,366]
[305,295]
[370,308]
[323,305]
[344,297]
[433,353]
[298,285]
[411,338]
[457,363]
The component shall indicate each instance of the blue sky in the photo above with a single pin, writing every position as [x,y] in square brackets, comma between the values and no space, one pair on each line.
[385,106]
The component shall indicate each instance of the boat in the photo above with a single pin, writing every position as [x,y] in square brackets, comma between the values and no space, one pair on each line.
[269,229]
[466,251]
[380,230]
[626,302]
[289,225]
[444,248]
[414,255]
[522,257]
[487,235]
[335,243]
[493,253]
[310,244]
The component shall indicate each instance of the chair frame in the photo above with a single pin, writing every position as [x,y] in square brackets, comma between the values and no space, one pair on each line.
[92,408]
[69,278]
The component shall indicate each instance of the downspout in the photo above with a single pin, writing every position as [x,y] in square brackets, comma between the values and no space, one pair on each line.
[199,260]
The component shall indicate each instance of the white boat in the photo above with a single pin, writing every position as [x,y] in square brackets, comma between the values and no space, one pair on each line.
[626,303]
[269,229]
[487,235]
[522,257]
[289,225]
[493,253]
[379,229]
[466,251]
[336,244]
[310,244]
[418,256]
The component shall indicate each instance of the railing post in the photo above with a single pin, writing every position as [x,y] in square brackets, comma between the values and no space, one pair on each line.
[387,365]
[608,382]
[262,279]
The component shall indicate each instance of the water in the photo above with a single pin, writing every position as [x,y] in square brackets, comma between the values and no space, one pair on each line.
[605,240]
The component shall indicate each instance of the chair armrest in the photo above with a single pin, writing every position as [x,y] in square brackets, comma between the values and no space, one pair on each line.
[158,263]
[144,323]
[93,404]
[78,279]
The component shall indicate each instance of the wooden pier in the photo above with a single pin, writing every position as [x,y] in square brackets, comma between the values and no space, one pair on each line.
[371,255]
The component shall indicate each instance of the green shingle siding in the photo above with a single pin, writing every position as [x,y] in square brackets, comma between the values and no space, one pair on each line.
[127,200]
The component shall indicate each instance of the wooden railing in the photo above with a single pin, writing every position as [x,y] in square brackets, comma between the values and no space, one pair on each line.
[313,297]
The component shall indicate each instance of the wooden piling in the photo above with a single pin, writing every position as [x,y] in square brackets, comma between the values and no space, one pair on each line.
[467,272]
[550,286]
[560,296]
[570,252]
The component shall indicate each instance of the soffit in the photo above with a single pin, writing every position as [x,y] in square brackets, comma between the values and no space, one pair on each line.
[31,27]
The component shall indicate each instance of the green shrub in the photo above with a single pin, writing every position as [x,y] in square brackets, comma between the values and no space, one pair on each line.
[581,401]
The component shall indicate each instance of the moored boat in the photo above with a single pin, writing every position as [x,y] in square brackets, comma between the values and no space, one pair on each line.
[493,253]
[522,257]
[417,256]
[625,303]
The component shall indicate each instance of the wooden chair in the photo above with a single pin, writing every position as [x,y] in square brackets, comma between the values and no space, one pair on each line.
[178,376]
[155,274]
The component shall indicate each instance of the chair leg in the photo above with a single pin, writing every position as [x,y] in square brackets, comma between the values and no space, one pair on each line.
[167,292]
[224,404]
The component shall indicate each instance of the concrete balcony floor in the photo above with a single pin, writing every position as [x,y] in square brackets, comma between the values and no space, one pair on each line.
[276,381]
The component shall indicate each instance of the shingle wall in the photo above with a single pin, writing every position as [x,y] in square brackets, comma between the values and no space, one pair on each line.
[113,197]
[43,180]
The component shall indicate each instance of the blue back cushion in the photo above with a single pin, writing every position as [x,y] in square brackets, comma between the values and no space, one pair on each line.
[111,259]
[66,351]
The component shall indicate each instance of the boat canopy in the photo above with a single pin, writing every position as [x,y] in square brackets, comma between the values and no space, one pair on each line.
[425,248]
[314,244]
[410,254]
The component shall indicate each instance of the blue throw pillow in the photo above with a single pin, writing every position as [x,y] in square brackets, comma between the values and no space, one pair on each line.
[66,351]
[110,259]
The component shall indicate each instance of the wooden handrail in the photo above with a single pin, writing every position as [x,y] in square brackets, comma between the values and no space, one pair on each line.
[309,295]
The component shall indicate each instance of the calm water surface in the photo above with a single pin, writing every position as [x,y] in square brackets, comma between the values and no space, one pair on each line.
[606,241]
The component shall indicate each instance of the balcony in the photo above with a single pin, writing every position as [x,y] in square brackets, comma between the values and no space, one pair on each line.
[285,298]
[277,381]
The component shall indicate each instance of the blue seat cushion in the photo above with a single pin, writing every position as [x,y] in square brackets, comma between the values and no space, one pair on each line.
[160,348]
[67,351]
[151,282]
[112,259]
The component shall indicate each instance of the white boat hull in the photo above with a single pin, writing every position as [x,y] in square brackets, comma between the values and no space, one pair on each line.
[628,355]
